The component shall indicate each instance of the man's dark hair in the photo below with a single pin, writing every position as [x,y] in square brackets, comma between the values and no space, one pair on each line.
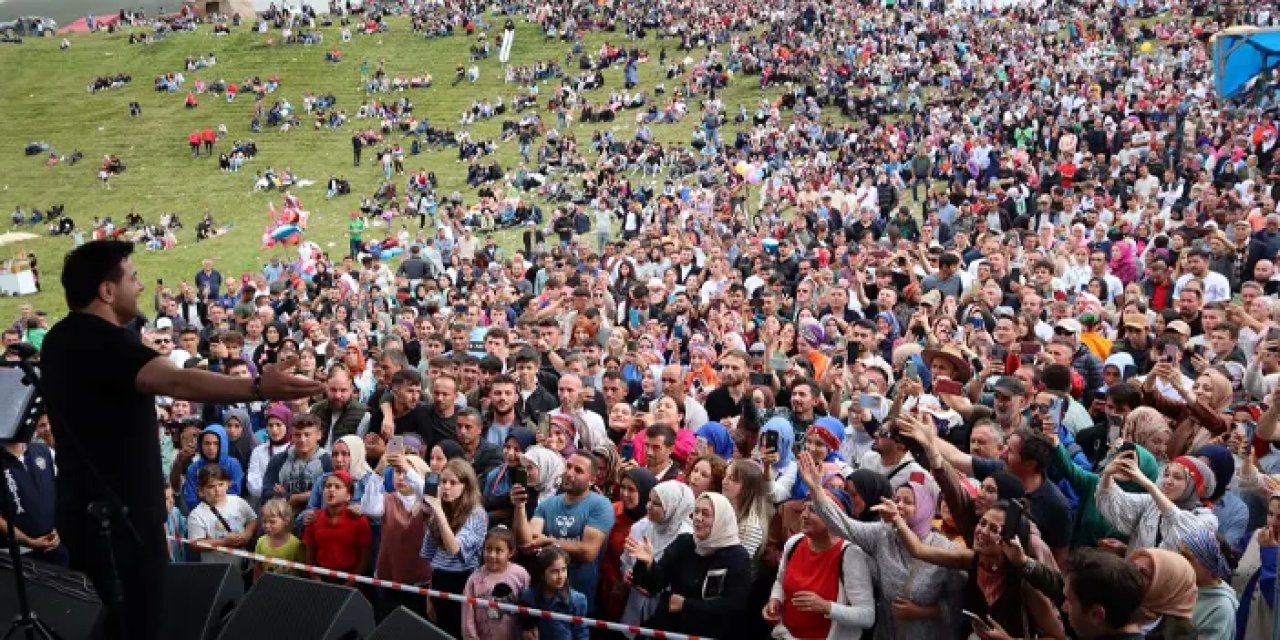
[1124,396]
[1158,346]
[1232,329]
[612,375]
[470,412]
[1056,377]
[864,323]
[948,260]
[90,265]
[592,463]
[663,431]
[502,378]
[1036,447]
[1105,580]
[406,376]
[231,363]
[490,364]
[527,355]
[305,421]
[806,382]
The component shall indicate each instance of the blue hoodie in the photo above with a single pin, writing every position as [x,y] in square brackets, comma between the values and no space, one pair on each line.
[718,437]
[224,460]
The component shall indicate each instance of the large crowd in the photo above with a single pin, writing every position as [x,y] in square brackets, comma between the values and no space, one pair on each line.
[973,329]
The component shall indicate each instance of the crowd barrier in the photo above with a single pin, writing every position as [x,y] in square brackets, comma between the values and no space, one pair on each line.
[475,602]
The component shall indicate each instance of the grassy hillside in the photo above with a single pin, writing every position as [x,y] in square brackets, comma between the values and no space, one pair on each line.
[44,98]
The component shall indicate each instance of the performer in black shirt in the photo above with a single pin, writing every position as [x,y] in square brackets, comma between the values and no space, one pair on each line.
[100,384]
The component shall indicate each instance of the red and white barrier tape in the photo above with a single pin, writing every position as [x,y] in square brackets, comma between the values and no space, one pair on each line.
[475,602]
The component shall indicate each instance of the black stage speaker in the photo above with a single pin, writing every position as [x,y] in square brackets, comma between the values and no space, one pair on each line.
[288,608]
[63,599]
[199,596]
[403,623]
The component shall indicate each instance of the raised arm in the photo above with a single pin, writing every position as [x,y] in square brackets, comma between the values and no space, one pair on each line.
[160,376]
[868,535]
[958,558]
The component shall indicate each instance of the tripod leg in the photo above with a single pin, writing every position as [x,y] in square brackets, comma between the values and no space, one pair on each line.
[45,631]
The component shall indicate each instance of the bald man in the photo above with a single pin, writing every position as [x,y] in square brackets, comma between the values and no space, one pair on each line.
[591,430]
[673,386]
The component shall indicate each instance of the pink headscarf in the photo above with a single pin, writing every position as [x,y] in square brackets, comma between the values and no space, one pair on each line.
[926,504]
[1125,267]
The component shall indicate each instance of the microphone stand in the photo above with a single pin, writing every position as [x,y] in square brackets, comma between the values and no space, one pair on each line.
[101,513]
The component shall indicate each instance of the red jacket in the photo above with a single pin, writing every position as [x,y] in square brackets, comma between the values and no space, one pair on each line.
[209,135]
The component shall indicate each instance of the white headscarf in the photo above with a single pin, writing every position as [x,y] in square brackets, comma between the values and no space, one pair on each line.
[359,465]
[724,531]
[550,468]
[677,505]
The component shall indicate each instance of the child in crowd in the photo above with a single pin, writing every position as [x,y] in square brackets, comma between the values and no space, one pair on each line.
[551,592]
[339,539]
[454,540]
[212,447]
[279,541]
[497,579]
[279,434]
[404,523]
[175,526]
[221,519]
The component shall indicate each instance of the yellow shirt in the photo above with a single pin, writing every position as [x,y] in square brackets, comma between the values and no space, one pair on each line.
[291,550]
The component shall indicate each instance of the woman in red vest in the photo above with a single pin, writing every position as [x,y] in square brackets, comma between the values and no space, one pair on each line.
[823,589]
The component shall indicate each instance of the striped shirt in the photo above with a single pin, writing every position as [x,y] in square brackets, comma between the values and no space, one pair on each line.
[470,543]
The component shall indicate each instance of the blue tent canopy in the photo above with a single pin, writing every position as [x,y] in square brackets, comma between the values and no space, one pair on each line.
[1240,54]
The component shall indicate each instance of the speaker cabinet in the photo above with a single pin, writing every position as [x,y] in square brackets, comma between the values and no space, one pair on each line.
[63,599]
[403,623]
[288,608]
[199,597]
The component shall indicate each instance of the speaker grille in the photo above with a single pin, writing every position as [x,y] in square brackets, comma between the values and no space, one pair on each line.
[61,598]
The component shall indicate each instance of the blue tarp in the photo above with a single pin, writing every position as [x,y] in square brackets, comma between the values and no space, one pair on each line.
[1240,54]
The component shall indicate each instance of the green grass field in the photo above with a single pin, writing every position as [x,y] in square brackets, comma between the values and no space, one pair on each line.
[44,98]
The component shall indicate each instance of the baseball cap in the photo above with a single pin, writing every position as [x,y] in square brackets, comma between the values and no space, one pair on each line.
[1137,320]
[1178,326]
[164,323]
[1011,386]
[1069,324]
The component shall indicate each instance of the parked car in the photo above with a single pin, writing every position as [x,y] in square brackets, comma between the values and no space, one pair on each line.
[29,26]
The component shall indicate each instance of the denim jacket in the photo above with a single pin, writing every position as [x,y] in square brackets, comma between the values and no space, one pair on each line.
[574,604]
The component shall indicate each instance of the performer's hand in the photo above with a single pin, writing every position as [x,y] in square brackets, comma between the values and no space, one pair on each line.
[278,383]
